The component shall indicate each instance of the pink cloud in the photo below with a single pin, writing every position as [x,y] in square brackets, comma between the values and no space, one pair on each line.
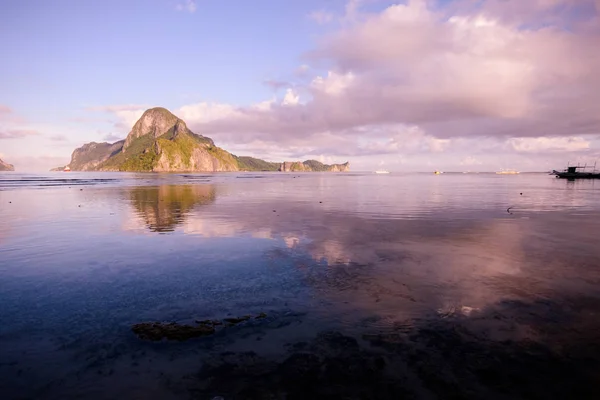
[460,75]
[504,77]
[17,133]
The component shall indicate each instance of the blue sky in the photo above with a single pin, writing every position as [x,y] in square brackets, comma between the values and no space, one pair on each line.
[80,71]
[74,54]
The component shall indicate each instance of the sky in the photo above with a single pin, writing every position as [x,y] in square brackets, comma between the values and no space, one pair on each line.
[415,85]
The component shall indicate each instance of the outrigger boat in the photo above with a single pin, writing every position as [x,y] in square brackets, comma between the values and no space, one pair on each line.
[572,173]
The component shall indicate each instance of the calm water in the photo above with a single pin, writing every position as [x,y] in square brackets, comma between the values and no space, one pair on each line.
[449,286]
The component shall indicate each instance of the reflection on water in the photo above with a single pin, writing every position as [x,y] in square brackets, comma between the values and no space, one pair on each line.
[373,287]
[164,207]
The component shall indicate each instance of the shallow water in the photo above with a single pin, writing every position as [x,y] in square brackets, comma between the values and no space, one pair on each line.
[432,273]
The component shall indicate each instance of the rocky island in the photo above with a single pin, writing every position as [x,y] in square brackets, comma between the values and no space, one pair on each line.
[161,142]
[5,166]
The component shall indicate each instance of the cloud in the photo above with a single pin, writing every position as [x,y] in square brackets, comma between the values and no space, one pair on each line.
[333,84]
[111,137]
[205,112]
[321,17]
[17,133]
[470,161]
[275,84]
[58,138]
[8,116]
[554,144]
[127,114]
[187,5]
[472,73]
[291,98]
[302,70]
[447,79]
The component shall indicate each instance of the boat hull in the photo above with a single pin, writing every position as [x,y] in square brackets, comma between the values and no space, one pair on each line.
[577,175]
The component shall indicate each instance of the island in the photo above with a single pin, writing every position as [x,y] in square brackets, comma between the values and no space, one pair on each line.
[6,166]
[161,142]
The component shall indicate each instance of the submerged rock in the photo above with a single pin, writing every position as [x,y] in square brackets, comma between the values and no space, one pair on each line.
[235,321]
[156,331]
[213,322]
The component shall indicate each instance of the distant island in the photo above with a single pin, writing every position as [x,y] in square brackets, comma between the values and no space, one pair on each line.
[161,142]
[6,167]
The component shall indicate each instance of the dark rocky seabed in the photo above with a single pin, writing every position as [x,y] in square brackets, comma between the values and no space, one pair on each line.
[367,287]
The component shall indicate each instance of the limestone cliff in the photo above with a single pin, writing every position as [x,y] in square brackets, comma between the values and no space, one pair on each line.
[161,142]
[89,156]
[6,167]
[313,166]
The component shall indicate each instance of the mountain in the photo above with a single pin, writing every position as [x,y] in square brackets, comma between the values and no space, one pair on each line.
[161,142]
[91,155]
[313,166]
[6,167]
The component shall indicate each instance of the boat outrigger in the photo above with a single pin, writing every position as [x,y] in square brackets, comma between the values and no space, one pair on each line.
[572,173]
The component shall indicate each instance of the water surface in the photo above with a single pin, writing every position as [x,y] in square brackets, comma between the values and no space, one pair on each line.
[425,286]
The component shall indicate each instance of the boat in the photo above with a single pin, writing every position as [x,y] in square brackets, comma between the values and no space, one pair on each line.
[507,172]
[382,171]
[438,172]
[67,169]
[571,172]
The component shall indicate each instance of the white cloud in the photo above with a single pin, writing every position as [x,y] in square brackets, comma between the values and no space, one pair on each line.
[461,82]
[205,112]
[544,144]
[290,98]
[333,84]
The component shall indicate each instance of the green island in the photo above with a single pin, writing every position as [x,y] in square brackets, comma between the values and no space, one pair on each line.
[161,142]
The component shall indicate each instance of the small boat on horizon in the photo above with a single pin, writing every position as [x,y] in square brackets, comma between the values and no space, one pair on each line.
[382,171]
[571,172]
[438,172]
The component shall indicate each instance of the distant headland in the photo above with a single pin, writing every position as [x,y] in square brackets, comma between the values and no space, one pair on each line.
[5,166]
[161,142]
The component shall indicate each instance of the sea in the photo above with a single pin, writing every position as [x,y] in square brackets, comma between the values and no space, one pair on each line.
[347,285]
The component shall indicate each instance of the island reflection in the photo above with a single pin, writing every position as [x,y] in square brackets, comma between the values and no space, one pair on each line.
[164,207]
